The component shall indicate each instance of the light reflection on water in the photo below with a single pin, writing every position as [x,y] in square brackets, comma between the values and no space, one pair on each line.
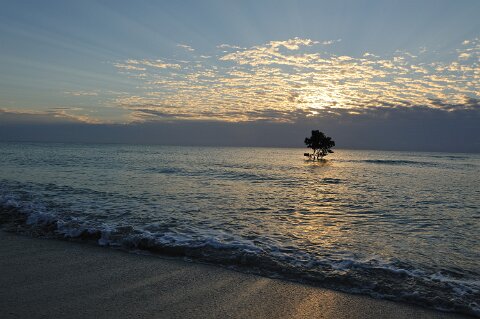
[417,212]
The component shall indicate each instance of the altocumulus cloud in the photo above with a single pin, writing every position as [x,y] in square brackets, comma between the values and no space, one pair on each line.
[297,75]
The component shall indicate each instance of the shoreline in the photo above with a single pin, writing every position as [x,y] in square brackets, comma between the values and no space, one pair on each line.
[47,278]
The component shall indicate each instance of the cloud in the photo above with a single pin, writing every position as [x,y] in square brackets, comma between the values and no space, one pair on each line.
[186,47]
[52,116]
[228,46]
[291,44]
[296,76]
[397,128]
[129,67]
[142,65]
[329,42]
[81,93]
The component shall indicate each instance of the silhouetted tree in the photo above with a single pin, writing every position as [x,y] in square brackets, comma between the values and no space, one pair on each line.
[320,144]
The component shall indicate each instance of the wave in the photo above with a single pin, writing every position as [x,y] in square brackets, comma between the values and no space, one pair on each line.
[451,157]
[401,162]
[393,162]
[433,164]
[390,279]
[327,180]
[164,170]
[225,174]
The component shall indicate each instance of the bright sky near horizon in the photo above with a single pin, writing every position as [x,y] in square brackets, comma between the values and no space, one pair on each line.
[125,61]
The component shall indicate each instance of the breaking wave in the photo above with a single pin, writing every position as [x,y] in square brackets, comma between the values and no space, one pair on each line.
[392,279]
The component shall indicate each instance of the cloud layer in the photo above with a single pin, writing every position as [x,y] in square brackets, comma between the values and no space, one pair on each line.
[414,129]
[282,81]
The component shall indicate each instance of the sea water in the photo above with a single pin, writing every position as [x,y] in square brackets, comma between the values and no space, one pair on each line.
[396,225]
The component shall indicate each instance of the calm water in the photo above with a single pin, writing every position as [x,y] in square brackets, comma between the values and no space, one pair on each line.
[397,225]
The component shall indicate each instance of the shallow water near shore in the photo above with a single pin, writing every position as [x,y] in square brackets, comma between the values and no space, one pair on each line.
[396,225]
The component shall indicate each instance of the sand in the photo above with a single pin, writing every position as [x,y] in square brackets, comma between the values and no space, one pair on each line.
[42,278]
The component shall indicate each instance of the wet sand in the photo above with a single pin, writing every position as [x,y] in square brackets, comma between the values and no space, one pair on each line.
[42,278]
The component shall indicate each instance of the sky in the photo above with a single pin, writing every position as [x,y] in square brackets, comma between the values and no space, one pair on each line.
[372,74]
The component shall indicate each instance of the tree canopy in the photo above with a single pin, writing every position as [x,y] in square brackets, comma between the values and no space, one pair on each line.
[320,144]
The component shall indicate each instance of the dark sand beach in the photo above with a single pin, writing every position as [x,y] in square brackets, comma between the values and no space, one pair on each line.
[42,278]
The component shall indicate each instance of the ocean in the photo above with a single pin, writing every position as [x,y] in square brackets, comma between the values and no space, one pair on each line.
[395,225]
